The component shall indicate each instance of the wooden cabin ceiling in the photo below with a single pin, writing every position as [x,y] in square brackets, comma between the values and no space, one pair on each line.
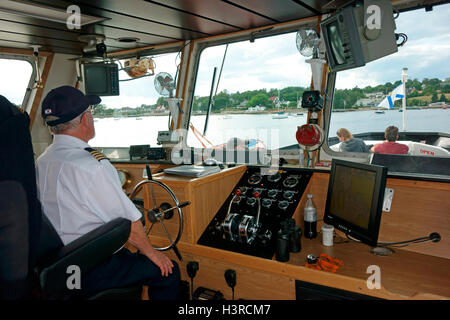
[154,22]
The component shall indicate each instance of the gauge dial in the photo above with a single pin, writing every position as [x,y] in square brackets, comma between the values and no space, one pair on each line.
[259,190]
[243,190]
[274,178]
[237,199]
[288,195]
[255,179]
[283,205]
[272,193]
[290,182]
[267,203]
[251,201]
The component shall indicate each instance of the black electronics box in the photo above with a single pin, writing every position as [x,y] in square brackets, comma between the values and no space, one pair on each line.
[139,151]
[156,154]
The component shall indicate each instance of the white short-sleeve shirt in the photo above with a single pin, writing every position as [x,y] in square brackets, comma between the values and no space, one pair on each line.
[78,193]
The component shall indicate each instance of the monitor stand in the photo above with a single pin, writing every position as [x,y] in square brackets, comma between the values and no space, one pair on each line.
[382,251]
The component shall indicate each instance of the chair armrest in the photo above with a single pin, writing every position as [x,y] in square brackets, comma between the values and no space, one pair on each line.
[85,252]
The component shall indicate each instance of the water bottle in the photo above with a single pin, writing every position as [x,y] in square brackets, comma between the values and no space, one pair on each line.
[310,216]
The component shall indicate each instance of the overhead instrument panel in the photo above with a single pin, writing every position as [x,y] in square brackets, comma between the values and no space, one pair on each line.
[251,216]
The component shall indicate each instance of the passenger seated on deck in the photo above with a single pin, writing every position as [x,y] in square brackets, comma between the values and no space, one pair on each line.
[349,143]
[390,146]
[80,190]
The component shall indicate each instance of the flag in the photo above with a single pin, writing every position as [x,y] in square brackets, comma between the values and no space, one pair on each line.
[388,101]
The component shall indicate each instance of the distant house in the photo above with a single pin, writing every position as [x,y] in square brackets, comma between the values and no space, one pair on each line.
[160,109]
[436,104]
[255,108]
[366,102]
[375,95]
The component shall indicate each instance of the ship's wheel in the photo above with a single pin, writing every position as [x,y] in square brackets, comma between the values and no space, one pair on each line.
[165,217]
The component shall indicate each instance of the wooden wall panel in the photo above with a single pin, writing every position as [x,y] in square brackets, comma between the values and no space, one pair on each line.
[251,284]
[418,209]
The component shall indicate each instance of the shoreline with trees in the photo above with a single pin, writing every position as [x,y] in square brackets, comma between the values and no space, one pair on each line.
[423,94]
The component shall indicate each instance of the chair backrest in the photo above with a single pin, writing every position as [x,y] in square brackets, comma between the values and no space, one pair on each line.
[17,164]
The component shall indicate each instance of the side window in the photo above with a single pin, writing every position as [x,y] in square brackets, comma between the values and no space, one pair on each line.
[255,96]
[138,113]
[15,79]
[370,99]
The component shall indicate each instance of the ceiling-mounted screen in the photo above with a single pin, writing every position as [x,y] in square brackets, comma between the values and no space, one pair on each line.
[352,42]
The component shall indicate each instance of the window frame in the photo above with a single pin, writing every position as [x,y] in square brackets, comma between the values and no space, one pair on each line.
[28,90]
[248,35]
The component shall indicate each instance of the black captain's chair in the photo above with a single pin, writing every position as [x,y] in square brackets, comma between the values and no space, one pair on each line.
[37,257]
[86,252]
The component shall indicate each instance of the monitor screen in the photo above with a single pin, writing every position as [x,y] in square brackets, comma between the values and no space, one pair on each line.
[349,43]
[101,79]
[336,43]
[355,198]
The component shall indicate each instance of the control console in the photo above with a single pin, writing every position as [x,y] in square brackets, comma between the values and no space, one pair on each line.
[251,216]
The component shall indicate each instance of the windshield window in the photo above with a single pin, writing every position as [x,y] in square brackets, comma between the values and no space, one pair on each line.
[255,96]
[139,112]
[361,104]
[14,86]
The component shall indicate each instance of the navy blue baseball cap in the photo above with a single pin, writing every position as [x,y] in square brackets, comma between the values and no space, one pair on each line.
[66,103]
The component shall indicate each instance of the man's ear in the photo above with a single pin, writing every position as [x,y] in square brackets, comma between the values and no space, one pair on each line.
[84,119]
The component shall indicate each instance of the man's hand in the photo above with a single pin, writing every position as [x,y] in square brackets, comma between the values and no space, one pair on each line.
[162,261]
[139,239]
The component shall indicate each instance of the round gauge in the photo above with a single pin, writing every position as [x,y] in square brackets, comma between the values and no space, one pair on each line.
[274,178]
[290,182]
[243,190]
[259,190]
[255,179]
[124,178]
[266,203]
[272,193]
[283,205]
[288,195]
[251,201]
[237,199]
[311,99]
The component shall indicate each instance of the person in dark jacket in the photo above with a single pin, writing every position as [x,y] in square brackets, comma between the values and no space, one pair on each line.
[349,143]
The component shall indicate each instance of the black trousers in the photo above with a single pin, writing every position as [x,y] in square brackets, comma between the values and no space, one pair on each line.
[126,269]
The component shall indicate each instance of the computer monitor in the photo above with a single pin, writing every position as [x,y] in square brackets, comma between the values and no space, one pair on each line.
[355,199]
[351,43]
[101,79]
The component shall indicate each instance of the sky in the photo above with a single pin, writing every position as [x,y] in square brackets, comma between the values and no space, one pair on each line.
[275,63]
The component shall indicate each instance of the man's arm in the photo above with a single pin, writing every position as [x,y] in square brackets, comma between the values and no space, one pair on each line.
[139,239]
[106,199]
